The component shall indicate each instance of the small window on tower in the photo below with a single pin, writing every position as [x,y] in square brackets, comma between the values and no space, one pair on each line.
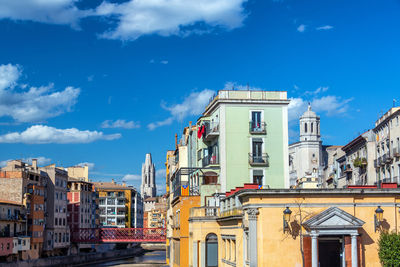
[305,127]
[312,127]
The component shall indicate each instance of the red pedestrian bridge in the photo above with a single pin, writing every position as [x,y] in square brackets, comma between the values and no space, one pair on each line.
[118,235]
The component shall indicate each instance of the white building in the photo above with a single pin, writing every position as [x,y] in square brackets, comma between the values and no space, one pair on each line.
[148,187]
[306,160]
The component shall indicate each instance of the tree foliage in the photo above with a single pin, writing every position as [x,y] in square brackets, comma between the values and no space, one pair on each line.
[389,249]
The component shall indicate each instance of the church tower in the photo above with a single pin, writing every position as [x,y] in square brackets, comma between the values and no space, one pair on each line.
[309,126]
[148,187]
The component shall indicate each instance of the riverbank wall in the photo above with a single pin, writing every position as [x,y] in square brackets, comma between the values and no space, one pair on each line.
[77,260]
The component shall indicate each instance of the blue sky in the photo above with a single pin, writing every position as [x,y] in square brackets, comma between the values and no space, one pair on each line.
[107,82]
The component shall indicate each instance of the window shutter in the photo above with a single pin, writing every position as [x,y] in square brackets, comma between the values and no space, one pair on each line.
[307,251]
[347,249]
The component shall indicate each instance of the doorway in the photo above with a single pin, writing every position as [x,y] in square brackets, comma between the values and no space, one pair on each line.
[330,252]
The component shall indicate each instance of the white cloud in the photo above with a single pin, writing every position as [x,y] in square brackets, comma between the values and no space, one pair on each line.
[90,78]
[34,104]
[134,18]
[132,177]
[40,161]
[89,164]
[301,28]
[194,104]
[164,62]
[41,134]
[164,17]
[330,105]
[120,124]
[45,11]
[321,89]
[324,28]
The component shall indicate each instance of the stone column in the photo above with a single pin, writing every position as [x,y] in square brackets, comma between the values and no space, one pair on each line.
[252,217]
[314,250]
[354,254]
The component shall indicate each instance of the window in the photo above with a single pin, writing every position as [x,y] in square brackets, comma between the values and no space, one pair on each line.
[210,178]
[312,127]
[305,127]
[56,221]
[211,250]
[256,124]
[258,177]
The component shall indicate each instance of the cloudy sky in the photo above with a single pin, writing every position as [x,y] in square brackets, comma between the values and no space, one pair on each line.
[104,82]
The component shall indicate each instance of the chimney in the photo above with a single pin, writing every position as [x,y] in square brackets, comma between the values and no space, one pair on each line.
[176,141]
[112,181]
[34,163]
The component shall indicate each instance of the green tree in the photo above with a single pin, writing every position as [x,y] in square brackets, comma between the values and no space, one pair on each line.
[389,249]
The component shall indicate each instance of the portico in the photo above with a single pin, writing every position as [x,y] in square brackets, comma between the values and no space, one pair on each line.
[333,224]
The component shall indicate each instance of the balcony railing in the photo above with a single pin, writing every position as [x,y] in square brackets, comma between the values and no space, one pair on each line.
[259,160]
[202,212]
[183,189]
[382,160]
[210,160]
[387,180]
[232,212]
[388,157]
[12,217]
[211,130]
[257,127]
[396,152]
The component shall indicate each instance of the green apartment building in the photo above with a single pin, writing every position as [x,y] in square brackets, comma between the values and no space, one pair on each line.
[242,137]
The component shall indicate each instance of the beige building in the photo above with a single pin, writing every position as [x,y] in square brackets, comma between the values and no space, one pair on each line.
[57,233]
[79,172]
[387,130]
[332,170]
[358,168]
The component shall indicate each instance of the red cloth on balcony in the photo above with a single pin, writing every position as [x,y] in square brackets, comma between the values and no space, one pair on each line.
[200,131]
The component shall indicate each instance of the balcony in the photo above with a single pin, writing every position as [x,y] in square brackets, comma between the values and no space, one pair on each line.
[376,163]
[382,160]
[12,217]
[210,160]
[211,131]
[396,152]
[231,212]
[204,212]
[388,158]
[259,160]
[387,180]
[183,189]
[348,169]
[257,127]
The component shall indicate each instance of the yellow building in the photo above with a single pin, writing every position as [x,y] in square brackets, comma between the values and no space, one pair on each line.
[302,227]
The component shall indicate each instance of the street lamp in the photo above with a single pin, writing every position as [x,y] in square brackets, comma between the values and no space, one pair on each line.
[378,217]
[286,219]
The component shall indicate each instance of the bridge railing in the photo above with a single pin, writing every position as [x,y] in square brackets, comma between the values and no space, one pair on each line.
[117,235]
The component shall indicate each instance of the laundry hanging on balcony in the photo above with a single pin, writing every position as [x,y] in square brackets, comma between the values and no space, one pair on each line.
[201,131]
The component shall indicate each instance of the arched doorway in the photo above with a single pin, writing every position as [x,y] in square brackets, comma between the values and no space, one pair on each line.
[211,250]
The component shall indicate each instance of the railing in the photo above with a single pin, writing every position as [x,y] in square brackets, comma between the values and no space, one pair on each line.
[201,212]
[259,160]
[257,127]
[388,157]
[183,189]
[210,160]
[12,217]
[231,212]
[396,152]
[396,180]
[387,180]
[211,130]
[117,235]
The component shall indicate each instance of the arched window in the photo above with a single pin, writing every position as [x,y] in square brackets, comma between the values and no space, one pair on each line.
[312,127]
[211,250]
[305,127]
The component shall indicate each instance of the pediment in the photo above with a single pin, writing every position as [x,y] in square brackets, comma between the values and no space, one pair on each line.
[333,218]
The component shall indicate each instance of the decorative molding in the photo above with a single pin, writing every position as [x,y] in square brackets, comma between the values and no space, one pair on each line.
[252,213]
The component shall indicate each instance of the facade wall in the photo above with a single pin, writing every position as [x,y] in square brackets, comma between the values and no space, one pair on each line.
[273,244]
